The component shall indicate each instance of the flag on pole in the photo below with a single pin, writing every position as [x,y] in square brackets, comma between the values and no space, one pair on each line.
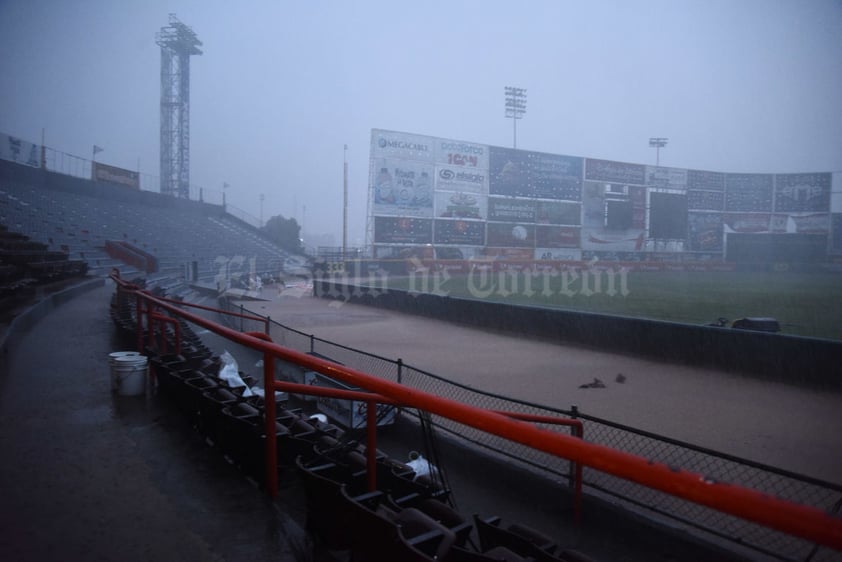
[97,149]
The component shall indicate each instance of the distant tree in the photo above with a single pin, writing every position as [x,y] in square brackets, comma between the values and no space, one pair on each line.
[284,232]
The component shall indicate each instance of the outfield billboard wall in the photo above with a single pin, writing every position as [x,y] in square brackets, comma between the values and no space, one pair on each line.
[463,198]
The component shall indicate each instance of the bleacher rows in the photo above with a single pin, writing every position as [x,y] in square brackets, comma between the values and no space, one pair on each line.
[25,265]
[79,224]
[408,517]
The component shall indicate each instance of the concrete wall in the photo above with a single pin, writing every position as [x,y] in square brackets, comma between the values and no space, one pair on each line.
[792,359]
[23,322]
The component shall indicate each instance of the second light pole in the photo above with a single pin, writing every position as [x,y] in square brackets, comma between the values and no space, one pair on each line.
[658,143]
[515,107]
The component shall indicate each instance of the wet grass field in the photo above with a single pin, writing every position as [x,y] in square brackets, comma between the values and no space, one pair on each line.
[805,304]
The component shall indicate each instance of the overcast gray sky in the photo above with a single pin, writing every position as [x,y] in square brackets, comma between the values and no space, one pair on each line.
[736,85]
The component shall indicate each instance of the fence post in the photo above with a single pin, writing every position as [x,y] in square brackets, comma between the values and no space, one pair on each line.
[571,480]
[400,370]
[371,443]
[241,318]
[269,424]
[139,313]
[312,343]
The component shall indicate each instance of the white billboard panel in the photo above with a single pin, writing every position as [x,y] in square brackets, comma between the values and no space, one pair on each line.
[402,187]
[462,154]
[402,145]
[454,178]
[459,205]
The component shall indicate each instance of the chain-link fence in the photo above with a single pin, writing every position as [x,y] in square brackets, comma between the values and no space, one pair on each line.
[713,465]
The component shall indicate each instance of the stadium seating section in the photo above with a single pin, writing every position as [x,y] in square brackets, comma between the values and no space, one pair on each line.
[59,216]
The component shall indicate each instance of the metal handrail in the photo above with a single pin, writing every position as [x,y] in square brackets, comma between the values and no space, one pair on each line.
[789,517]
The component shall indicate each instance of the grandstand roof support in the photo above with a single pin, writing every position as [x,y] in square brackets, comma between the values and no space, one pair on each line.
[178,42]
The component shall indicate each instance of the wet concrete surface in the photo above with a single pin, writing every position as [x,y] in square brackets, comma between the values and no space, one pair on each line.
[88,475]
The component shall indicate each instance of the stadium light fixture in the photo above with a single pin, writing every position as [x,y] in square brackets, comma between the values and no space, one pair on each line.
[658,143]
[515,108]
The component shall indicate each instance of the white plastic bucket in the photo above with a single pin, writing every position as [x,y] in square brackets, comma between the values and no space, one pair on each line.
[112,361]
[129,374]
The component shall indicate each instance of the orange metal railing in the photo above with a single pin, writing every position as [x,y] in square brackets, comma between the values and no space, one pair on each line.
[792,518]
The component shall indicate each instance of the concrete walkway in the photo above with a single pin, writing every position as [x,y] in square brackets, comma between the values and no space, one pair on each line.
[88,475]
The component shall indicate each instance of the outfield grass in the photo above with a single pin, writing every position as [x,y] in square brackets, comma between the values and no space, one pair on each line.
[806,304]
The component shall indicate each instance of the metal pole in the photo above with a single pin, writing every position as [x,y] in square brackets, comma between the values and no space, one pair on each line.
[371,443]
[345,205]
[514,127]
[269,424]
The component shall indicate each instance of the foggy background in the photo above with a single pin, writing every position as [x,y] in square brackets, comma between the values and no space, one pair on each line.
[736,86]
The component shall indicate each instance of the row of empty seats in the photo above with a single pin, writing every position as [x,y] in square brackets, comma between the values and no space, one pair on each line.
[26,265]
[397,522]
[79,223]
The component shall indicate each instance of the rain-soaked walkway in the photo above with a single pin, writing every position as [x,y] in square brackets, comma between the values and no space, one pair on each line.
[87,475]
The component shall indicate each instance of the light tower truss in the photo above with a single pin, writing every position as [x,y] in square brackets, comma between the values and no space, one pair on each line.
[178,42]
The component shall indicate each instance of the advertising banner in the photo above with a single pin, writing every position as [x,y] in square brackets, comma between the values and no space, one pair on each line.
[403,230]
[511,210]
[747,222]
[460,205]
[558,212]
[674,178]
[508,172]
[709,181]
[802,192]
[470,233]
[557,237]
[815,223]
[402,145]
[637,195]
[511,235]
[534,174]
[619,172]
[113,174]
[558,254]
[748,192]
[552,176]
[461,154]
[452,178]
[705,200]
[402,187]
[513,254]
[20,151]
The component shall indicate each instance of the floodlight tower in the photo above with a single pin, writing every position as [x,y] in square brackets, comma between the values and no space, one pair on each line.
[658,143]
[515,107]
[177,42]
